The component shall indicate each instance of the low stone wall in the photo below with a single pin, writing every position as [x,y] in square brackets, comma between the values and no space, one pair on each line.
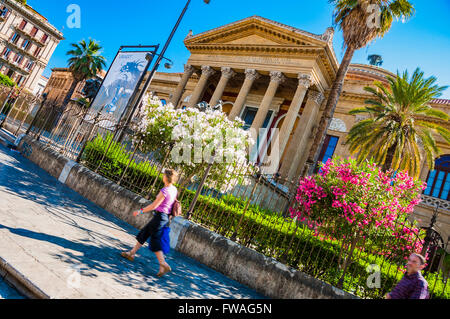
[250,268]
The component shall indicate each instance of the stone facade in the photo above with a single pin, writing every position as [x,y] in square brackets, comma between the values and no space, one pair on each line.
[283,75]
[27,42]
[59,84]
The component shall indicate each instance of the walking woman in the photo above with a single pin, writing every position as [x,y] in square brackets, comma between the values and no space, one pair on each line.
[162,208]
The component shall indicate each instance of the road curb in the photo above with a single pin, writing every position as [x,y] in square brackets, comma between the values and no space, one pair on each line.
[16,279]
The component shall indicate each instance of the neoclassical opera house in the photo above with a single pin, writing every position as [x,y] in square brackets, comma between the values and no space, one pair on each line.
[277,76]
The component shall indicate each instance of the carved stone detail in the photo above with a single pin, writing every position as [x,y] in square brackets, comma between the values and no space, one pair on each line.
[227,72]
[277,76]
[207,70]
[304,80]
[252,74]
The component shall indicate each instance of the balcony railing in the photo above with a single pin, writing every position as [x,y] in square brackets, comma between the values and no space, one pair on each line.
[29,36]
[15,66]
[22,50]
[433,202]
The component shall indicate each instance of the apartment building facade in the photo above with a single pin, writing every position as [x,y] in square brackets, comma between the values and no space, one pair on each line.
[27,42]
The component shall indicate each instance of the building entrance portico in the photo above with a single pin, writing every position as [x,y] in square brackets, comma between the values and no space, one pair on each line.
[262,70]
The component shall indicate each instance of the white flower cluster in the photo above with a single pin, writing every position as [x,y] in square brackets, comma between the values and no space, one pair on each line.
[198,139]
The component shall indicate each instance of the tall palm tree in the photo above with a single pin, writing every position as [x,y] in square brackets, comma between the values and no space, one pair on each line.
[401,124]
[356,20]
[85,62]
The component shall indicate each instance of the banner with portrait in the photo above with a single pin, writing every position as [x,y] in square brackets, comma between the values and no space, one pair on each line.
[119,85]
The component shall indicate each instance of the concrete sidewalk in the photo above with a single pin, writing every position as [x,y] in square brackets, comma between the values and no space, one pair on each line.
[69,248]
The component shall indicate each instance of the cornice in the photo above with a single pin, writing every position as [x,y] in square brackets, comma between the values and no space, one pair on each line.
[254,21]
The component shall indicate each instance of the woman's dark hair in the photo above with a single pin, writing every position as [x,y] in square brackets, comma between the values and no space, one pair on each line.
[172,175]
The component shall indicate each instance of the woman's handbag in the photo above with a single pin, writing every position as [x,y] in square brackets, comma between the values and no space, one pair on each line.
[176,208]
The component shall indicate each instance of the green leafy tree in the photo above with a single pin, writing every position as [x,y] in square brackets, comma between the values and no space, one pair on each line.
[6,81]
[85,62]
[358,21]
[400,124]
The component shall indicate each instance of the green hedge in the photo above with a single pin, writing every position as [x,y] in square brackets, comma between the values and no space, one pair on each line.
[263,230]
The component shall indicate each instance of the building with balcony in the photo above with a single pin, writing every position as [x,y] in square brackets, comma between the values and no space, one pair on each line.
[27,42]
[276,76]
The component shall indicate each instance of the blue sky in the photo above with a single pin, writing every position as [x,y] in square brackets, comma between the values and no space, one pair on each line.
[423,41]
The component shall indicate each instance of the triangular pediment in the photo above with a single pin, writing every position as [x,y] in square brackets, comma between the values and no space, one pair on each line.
[257,31]
[251,39]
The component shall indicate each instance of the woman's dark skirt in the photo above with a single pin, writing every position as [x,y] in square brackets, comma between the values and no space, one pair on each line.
[153,230]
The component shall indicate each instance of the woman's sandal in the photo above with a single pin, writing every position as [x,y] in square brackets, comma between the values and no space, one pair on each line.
[126,255]
[166,271]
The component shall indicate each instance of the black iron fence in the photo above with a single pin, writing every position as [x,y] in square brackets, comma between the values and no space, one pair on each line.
[253,210]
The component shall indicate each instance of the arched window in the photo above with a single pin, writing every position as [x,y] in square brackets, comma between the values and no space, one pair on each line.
[163,102]
[438,181]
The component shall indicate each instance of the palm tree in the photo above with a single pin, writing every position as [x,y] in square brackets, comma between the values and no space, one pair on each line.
[375,59]
[401,124]
[355,19]
[85,62]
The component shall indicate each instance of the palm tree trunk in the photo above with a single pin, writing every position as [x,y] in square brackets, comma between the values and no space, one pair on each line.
[389,157]
[68,97]
[328,113]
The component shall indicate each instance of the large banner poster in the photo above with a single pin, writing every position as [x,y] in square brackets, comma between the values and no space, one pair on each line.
[120,84]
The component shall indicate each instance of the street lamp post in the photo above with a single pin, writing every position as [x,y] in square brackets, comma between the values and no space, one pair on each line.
[156,66]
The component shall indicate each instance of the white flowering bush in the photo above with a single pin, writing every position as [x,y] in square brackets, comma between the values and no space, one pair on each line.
[195,139]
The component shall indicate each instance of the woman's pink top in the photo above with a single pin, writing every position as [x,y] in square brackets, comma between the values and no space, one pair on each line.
[170,195]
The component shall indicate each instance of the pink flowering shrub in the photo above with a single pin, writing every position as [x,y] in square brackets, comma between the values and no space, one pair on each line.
[362,206]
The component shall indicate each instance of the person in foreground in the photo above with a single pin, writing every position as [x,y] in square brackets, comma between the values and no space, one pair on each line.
[412,285]
[162,207]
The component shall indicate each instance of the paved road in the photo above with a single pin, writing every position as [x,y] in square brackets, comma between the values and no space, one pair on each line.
[69,247]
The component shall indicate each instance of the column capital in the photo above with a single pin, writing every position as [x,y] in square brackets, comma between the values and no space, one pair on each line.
[304,80]
[189,69]
[252,74]
[316,96]
[277,76]
[227,72]
[207,70]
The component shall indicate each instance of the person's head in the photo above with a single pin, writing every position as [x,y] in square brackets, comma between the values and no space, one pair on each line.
[170,176]
[416,262]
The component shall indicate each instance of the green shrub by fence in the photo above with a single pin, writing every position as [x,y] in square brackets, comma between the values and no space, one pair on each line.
[266,231]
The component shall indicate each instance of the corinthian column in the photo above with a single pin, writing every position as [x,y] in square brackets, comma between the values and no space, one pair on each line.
[188,71]
[250,76]
[304,82]
[275,79]
[207,71]
[299,143]
[227,74]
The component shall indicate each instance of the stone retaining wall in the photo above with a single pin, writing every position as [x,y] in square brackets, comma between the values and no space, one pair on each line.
[250,268]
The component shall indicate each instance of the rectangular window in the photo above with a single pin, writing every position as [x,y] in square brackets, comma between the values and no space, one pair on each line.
[44,38]
[430,182]
[4,12]
[26,44]
[446,188]
[34,31]
[7,52]
[438,184]
[15,38]
[20,79]
[23,24]
[29,65]
[249,116]
[37,51]
[18,58]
